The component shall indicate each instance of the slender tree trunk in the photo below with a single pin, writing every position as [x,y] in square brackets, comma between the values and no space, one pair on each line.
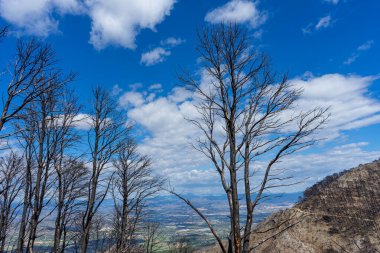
[22,231]
[235,215]
[58,220]
[85,237]
[248,200]
[64,234]
[3,221]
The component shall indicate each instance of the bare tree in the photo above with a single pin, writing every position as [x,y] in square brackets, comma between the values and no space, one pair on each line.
[246,114]
[29,75]
[70,174]
[132,184]
[37,134]
[105,138]
[11,185]
[101,232]
[71,186]
[152,237]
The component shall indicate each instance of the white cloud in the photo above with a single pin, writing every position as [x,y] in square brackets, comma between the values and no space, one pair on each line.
[323,23]
[131,98]
[351,105]
[310,168]
[239,11]
[117,22]
[154,56]
[113,22]
[351,59]
[116,90]
[363,47]
[83,121]
[159,54]
[366,46]
[169,134]
[36,17]
[156,87]
[172,42]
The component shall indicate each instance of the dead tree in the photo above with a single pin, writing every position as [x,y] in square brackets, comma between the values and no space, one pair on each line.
[11,185]
[36,135]
[152,237]
[132,185]
[71,187]
[105,138]
[27,78]
[246,114]
[69,172]
[101,233]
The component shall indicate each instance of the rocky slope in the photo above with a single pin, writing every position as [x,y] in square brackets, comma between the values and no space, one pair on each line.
[339,214]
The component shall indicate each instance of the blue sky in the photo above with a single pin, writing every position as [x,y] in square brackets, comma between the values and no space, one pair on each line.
[331,48]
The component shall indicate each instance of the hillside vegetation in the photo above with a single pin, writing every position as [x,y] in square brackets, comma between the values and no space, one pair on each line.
[339,214]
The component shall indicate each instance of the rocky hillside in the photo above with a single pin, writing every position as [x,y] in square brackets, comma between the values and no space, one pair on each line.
[339,214]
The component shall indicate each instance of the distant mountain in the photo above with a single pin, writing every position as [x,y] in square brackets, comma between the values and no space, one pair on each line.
[339,214]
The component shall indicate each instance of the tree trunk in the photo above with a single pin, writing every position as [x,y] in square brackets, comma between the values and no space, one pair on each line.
[58,220]
[85,239]
[21,234]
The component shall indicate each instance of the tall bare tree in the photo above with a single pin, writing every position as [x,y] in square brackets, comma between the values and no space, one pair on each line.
[11,185]
[71,187]
[246,114]
[69,173]
[33,68]
[37,134]
[132,185]
[107,135]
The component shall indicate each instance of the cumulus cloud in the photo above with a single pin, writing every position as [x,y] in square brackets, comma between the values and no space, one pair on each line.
[239,11]
[159,54]
[117,22]
[83,121]
[348,97]
[113,22]
[131,98]
[169,134]
[154,56]
[156,87]
[36,17]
